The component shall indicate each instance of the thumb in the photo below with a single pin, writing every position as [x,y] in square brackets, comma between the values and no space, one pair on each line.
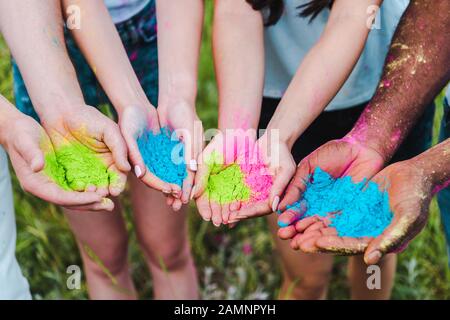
[115,142]
[389,240]
[201,179]
[279,185]
[32,154]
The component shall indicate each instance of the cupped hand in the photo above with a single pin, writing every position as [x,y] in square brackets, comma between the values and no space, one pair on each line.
[218,154]
[410,191]
[182,118]
[277,159]
[344,157]
[133,122]
[24,142]
[87,126]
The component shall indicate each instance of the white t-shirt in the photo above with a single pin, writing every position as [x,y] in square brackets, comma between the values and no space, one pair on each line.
[290,39]
[121,10]
[13,286]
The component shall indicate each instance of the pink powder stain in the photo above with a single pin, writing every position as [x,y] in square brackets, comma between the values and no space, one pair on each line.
[396,136]
[257,177]
[387,83]
[441,187]
[133,56]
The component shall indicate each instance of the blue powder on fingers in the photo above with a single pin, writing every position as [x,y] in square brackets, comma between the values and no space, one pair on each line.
[163,156]
[355,209]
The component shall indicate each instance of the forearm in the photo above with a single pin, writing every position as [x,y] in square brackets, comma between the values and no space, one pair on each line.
[323,71]
[102,47]
[7,114]
[416,70]
[238,45]
[179,37]
[435,165]
[34,33]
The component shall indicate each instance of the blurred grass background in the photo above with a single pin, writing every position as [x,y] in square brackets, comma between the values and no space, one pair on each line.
[232,264]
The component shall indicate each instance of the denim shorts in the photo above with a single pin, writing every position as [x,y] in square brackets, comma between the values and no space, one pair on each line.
[444,195]
[139,37]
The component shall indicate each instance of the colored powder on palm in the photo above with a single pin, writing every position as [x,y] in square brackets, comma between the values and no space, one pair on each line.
[163,155]
[257,178]
[242,181]
[227,185]
[355,209]
[74,167]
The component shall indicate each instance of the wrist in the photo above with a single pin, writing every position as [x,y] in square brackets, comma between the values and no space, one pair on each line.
[8,120]
[180,89]
[361,137]
[434,164]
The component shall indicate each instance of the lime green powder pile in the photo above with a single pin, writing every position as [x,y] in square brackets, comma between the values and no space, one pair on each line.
[226,185]
[74,167]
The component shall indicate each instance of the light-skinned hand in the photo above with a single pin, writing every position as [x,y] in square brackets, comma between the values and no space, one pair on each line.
[24,140]
[86,125]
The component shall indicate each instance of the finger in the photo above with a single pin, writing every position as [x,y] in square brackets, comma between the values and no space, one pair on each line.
[391,237]
[203,207]
[117,181]
[50,192]
[177,204]
[289,217]
[282,179]
[252,211]
[287,233]
[31,153]
[187,187]
[297,185]
[201,178]
[134,154]
[342,245]
[170,200]
[308,244]
[225,213]
[156,183]
[305,223]
[104,205]
[216,213]
[115,142]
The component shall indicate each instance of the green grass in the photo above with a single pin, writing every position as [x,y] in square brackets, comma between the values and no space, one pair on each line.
[238,263]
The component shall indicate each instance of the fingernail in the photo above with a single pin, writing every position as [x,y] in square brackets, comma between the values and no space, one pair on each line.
[108,204]
[207,219]
[137,171]
[167,191]
[193,192]
[193,165]
[374,255]
[275,203]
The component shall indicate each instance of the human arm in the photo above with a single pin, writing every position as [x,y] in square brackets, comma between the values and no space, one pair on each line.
[34,34]
[413,75]
[24,139]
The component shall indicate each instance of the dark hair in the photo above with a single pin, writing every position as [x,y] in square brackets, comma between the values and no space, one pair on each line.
[273,9]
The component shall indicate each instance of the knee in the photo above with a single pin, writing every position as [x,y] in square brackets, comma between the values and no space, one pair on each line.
[107,262]
[170,257]
[311,287]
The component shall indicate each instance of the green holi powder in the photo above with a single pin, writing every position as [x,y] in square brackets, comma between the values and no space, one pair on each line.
[74,167]
[226,185]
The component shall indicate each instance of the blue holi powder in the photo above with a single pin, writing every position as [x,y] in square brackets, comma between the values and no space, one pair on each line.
[163,156]
[357,209]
